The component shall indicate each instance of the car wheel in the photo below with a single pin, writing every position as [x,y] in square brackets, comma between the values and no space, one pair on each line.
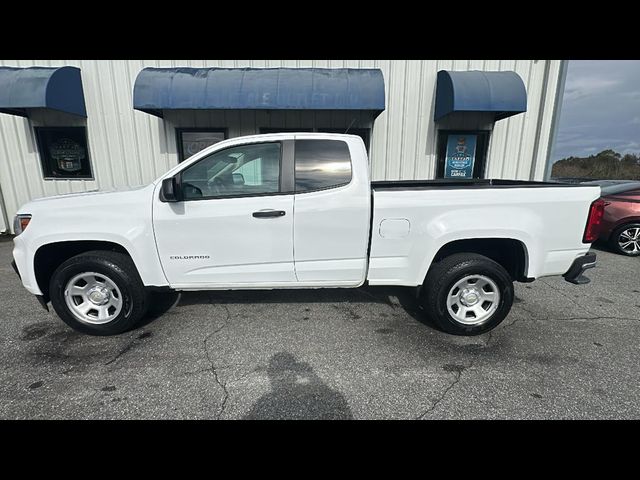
[626,239]
[467,294]
[98,293]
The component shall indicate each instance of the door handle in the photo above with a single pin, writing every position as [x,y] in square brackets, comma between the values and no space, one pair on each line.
[269,213]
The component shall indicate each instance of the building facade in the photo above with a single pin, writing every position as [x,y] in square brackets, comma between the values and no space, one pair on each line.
[110,124]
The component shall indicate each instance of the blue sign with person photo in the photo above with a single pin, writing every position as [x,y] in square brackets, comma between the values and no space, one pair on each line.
[460,156]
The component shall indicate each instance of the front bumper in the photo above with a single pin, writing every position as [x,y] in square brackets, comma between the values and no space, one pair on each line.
[15,268]
[575,274]
[40,298]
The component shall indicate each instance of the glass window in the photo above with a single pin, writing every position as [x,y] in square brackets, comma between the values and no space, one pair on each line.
[238,171]
[322,164]
[192,140]
[63,152]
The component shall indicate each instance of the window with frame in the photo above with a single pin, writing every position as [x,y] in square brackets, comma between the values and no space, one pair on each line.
[193,140]
[321,164]
[245,170]
[364,133]
[64,153]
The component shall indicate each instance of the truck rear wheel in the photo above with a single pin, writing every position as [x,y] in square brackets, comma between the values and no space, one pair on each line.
[98,293]
[467,294]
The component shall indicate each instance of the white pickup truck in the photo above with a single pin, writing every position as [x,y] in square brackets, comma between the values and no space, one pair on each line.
[298,210]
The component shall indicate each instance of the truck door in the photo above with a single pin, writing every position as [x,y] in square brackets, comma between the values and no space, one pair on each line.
[234,223]
[332,210]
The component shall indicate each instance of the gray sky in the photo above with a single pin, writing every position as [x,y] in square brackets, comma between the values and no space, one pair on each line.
[600,109]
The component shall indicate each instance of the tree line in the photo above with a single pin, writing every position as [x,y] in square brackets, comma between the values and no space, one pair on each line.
[606,165]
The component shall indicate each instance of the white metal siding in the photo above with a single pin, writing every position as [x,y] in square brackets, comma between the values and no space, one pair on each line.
[128,147]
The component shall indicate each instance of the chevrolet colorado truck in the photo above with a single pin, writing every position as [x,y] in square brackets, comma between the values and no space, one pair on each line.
[298,210]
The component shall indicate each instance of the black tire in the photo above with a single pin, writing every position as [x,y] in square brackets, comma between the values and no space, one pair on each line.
[120,269]
[615,238]
[442,277]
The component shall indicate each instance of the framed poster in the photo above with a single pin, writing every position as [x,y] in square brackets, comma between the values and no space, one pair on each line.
[64,152]
[461,156]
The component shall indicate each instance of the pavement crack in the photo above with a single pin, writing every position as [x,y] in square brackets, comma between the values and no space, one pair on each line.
[561,293]
[134,341]
[490,337]
[122,351]
[534,315]
[213,368]
[511,324]
[630,319]
[434,405]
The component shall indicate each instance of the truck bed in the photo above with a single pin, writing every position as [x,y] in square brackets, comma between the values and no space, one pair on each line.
[413,219]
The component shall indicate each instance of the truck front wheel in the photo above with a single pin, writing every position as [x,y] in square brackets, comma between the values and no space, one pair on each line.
[467,294]
[98,293]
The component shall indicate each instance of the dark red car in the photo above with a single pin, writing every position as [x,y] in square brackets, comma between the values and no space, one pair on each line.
[620,224]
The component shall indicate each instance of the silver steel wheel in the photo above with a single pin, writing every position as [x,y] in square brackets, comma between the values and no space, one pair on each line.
[473,299]
[93,298]
[629,240]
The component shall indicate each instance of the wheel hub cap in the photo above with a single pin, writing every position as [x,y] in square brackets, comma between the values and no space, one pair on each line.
[93,298]
[98,295]
[629,240]
[473,299]
[469,297]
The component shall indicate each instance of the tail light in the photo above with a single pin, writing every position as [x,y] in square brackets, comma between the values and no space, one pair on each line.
[592,230]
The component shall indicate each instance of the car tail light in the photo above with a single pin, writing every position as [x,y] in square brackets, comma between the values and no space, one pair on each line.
[592,230]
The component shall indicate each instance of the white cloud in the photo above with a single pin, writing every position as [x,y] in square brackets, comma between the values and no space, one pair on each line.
[601,108]
[585,86]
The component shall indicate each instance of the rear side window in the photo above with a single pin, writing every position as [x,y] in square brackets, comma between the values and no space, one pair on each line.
[322,164]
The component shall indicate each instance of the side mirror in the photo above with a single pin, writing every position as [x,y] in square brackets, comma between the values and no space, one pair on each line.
[170,191]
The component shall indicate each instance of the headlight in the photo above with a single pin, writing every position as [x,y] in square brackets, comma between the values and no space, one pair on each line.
[20,223]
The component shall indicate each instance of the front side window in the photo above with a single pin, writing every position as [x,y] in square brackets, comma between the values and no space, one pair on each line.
[63,152]
[321,164]
[244,170]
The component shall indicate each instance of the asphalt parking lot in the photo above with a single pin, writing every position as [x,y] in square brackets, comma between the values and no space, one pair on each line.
[565,351]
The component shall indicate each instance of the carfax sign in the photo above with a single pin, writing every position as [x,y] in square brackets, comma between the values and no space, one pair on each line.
[460,157]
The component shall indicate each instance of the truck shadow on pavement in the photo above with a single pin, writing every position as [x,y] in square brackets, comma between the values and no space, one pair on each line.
[400,299]
[297,393]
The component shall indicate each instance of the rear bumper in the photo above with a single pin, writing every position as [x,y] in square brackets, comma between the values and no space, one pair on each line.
[575,274]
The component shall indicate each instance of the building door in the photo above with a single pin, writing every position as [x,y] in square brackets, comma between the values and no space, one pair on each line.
[462,154]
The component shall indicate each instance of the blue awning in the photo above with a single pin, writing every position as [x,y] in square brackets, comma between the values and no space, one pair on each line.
[158,89]
[57,88]
[502,93]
